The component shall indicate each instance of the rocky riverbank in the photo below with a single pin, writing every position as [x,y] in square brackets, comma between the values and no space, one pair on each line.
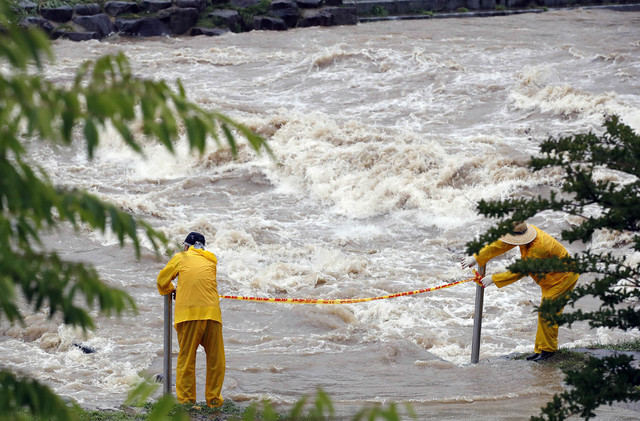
[147,18]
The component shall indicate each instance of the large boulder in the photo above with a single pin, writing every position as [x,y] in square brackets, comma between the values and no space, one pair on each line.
[188,4]
[287,10]
[101,24]
[42,23]
[87,9]
[57,14]
[143,27]
[227,17]
[117,8]
[268,23]
[155,6]
[178,19]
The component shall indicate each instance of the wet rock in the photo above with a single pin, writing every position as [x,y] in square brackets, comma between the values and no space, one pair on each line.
[268,23]
[210,32]
[333,2]
[155,6]
[287,10]
[227,17]
[179,20]
[143,27]
[191,4]
[100,24]
[85,348]
[41,23]
[117,8]
[57,14]
[87,9]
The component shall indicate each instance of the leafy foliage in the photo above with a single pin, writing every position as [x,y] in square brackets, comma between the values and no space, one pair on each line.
[602,188]
[32,109]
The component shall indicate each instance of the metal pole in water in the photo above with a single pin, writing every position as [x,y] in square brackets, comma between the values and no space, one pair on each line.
[166,389]
[477,319]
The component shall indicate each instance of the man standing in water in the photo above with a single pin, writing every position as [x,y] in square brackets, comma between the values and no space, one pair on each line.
[197,318]
[534,244]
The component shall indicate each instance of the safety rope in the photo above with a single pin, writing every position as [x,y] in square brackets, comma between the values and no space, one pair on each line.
[477,278]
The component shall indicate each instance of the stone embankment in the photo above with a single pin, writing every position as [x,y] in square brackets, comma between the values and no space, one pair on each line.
[147,18]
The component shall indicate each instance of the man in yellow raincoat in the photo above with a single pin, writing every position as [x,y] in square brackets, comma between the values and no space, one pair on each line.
[534,244]
[197,318]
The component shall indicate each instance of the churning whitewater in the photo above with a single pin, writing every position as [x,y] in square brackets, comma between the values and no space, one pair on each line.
[385,136]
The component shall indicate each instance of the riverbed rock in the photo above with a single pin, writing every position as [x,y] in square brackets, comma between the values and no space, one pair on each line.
[57,14]
[101,24]
[117,8]
[87,9]
[227,17]
[268,23]
[142,27]
[154,6]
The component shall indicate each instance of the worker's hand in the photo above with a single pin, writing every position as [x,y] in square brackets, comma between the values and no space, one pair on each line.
[467,262]
[486,281]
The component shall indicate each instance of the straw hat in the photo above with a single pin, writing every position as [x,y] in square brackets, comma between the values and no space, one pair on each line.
[522,233]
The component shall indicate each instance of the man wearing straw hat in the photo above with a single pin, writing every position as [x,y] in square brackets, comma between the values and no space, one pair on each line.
[197,318]
[534,244]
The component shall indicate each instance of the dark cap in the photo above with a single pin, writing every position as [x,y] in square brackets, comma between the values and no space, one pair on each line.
[194,237]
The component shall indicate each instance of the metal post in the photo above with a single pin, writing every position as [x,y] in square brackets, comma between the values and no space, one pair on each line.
[166,389]
[477,319]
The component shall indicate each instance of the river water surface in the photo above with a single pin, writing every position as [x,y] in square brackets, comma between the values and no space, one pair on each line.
[385,136]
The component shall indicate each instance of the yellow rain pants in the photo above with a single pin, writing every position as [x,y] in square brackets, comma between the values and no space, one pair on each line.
[191,334]
[552,285]
[197,320]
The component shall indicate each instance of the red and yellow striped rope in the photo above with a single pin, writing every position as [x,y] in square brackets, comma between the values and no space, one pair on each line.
[477,277]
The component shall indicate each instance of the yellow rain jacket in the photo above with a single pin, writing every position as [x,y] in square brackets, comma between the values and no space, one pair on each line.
[552,284]
[197,294]
[542,247]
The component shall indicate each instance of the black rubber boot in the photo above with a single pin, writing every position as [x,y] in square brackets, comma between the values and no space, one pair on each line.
[533,356]
[544,355]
